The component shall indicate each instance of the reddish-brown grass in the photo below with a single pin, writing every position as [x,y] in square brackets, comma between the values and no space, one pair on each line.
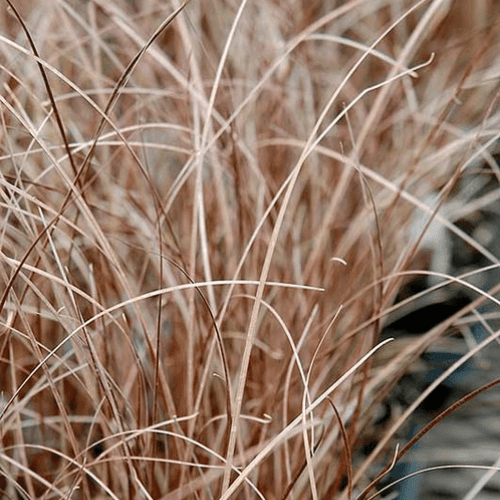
[199,250]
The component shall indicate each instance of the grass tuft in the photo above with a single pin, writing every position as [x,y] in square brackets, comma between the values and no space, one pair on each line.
[210,212]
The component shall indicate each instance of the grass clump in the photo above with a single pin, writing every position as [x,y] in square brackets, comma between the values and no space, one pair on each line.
[206,220]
